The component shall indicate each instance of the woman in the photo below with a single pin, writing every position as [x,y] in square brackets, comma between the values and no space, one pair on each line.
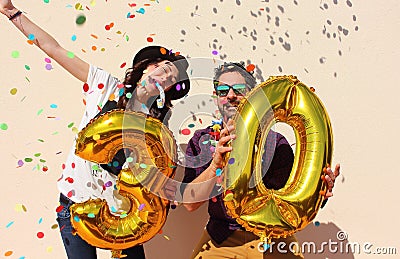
[156,77]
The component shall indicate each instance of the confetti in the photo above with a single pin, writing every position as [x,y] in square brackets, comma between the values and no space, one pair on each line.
[48,67]
[40,234]
[78,6]
[73,37]
[168,8]
[9,224]
[214,52]
[53,106]
[15,54]
[31,37]
[141,11]
[143,166]
[8,253]
[46,1]
[185,132]
[317,224]
[70,54]
[81,19]
[13,91]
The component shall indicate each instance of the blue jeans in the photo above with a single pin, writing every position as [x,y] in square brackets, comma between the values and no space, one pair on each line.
[75,246]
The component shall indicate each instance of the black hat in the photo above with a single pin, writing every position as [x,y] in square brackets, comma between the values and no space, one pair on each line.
[155,52]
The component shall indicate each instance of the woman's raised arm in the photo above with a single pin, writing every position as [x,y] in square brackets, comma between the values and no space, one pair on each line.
[74,65]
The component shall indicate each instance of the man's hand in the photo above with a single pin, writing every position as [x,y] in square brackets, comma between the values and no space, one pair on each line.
[329,178]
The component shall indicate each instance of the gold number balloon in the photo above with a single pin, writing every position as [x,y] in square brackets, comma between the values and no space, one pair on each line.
[154,147]
[278,213]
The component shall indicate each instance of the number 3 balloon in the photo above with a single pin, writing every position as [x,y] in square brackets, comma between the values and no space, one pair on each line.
[278,213]
[155,150]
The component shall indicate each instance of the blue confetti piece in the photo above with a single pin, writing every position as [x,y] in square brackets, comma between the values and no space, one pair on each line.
[73,38]
[316,223]
[266,246]
[141,10]
[91,215]
[76,219]
[9,224]
[22,257]
[128,15]
[113,209]
[218,172]
[40,220]
[53,106]
[31,36]
[123,215]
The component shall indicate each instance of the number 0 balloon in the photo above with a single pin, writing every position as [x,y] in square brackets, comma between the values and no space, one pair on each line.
[278,213]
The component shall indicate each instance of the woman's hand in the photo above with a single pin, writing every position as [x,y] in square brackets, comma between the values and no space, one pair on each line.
[6,7]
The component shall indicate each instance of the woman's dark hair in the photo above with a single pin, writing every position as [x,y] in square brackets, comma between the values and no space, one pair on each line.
[235,67]
[132,77]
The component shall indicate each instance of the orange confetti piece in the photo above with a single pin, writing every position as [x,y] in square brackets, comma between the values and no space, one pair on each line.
[84,102]
[30,42]
[8,253]
[146,4]
[84,51]
[250,67]
[163,51]
[94,36]
[94,48]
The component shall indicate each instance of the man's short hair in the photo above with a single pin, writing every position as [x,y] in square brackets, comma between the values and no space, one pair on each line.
[235,67]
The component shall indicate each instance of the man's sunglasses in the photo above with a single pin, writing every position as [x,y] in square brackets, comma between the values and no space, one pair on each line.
[223,90]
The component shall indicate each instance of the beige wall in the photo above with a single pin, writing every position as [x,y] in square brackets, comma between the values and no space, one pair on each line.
[361,100]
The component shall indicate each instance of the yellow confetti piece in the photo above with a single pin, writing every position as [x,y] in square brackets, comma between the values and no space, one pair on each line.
[112,97]
[96,137]
[20,208]
[54,226]
[93,2]
[78,7]
[166,237]
[75,130]
[49,249]
[168,8]
[13,91]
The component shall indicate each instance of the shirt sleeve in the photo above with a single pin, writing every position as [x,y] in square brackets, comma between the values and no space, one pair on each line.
[198,156]
[100,87]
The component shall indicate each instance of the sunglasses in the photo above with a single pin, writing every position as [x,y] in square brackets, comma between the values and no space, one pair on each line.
[223,90]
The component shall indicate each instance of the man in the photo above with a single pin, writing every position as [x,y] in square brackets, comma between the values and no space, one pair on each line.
[223,236]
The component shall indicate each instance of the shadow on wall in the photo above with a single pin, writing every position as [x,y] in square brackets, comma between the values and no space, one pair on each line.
[325,241]
[181,231]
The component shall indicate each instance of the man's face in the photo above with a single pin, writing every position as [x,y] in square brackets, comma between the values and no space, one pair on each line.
[227,105]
